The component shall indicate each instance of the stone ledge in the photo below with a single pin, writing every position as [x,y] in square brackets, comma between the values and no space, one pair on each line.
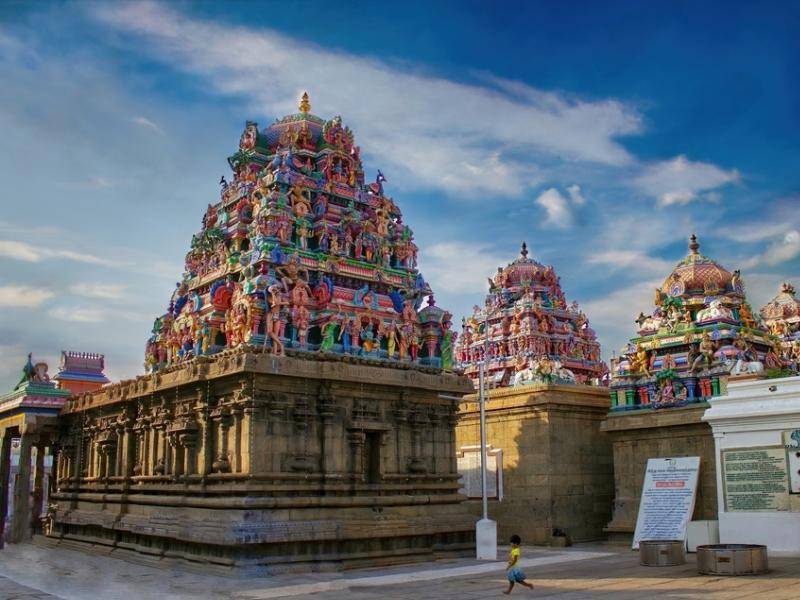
[298,365]
[651,419]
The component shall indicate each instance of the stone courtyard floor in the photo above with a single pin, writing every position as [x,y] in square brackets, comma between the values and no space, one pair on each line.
[33,572]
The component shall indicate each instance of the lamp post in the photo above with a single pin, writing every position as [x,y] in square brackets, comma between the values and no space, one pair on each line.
[485,529]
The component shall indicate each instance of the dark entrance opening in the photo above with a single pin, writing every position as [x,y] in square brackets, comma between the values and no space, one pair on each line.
[372,457]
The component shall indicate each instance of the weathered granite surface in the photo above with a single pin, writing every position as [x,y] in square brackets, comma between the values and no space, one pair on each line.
[557,465]
[248,459]
[640,435]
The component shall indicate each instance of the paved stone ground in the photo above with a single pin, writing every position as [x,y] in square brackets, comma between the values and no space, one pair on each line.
[31,572]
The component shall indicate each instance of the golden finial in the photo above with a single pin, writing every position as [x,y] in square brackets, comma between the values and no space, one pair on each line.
[305,105]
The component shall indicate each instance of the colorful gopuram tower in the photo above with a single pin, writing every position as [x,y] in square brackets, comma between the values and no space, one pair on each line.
[702,330]
[782,316]
[534,336]
[300,253]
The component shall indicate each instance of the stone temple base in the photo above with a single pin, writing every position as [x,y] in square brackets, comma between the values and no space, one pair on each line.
[268,464]
[556,463]
[640,435]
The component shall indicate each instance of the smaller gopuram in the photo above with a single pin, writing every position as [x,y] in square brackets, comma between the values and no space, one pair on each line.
[782,316]
[299,408]
[550,466]
[530,329]
[29,413]
[81,372]
[701,332]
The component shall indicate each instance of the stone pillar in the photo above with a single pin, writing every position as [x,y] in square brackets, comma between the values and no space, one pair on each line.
[38,487]
[237,440]
[329,452]
[5,469]
[357,439]
[21,520]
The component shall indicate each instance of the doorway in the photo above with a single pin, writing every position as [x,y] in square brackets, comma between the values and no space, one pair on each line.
[372,457]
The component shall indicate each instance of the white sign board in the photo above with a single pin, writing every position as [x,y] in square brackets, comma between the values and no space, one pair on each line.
[668,495]
[469,467]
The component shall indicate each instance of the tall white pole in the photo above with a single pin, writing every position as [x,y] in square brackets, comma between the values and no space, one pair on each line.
[485,529]
[482,402]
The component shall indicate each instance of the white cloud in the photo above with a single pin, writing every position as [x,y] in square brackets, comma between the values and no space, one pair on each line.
[778,252]
[680,181]
[630,259]
[23,296]
[557,208]
[147,123]
[431,131]
[459,267]
[29,253]
[756,232]
[576,195]
[95,314]
[93,183]
[613,314]
[784,250]
[106,291]
[76,315]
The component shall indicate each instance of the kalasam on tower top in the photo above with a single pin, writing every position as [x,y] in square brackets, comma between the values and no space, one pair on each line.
[298,411]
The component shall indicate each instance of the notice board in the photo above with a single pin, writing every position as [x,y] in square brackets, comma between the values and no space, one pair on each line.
[668,495]
[755,479]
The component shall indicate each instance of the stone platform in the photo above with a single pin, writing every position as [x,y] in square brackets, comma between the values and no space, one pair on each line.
[643,434]
[266,463]
[556,463]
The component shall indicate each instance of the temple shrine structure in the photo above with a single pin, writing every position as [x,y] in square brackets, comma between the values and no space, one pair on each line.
[550,465]
[528,331]
[782,316]
[702,332]
[29,430]
[299,405]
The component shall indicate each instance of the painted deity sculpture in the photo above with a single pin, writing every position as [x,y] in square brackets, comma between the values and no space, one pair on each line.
[530,327]
[702,330]
[782,316]
[300,253]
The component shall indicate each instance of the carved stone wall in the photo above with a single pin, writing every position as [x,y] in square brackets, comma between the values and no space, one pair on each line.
[266,462]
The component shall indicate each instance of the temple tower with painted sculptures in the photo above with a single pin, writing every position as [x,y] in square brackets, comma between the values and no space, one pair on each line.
[702,332]
[300,253]
[300,402]
[782,316]
[532,332]
[544,410]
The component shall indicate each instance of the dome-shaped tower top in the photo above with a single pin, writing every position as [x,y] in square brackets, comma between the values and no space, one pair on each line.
[698,273]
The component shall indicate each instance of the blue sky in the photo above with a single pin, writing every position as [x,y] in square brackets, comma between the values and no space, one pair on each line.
[602,134]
